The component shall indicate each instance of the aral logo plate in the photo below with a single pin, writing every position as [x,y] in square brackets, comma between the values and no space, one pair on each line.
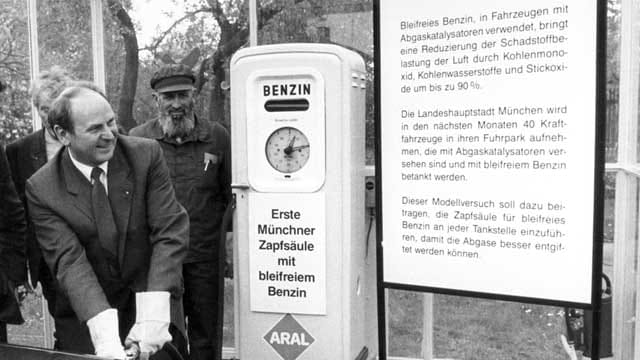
[288,338]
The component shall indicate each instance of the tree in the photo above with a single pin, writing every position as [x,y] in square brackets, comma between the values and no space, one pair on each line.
[234,32]
[215,52]
[216,29]
[64,39]
[613,42]
[64,36]
[14,71]
[131,63]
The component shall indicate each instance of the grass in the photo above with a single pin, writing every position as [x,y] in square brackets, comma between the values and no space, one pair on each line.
[476,329]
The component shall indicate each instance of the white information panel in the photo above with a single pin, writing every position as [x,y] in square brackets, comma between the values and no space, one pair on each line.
[287,259]
[488,113]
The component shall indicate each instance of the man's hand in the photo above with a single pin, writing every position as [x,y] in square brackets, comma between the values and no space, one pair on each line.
[151,330]
[149,335]
[104,335]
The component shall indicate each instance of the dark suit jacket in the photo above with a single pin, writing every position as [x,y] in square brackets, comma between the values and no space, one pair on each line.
[152,226]
[26,156]
[12,228]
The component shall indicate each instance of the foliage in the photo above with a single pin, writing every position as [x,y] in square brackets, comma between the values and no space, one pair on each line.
[613,43]
[14,71]
[64,36]
[114,59]
[64,39]
[216,29]
[291,25]
[15,120]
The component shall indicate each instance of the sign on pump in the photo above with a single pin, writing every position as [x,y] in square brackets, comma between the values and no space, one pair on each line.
[288,338]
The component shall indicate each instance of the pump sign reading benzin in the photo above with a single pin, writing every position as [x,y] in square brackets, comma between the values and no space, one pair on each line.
[298,125]
[490,157]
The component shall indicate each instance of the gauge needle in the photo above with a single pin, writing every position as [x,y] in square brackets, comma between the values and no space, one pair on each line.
[289,149]
[299,147]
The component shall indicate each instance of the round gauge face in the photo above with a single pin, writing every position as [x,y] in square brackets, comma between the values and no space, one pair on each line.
[287,150]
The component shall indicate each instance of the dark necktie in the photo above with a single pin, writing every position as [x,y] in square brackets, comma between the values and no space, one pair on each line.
[107,231]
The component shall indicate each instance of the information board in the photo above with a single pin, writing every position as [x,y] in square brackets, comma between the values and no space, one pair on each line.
[487,146]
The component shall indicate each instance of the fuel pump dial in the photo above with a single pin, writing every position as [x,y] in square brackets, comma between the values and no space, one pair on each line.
[287,149]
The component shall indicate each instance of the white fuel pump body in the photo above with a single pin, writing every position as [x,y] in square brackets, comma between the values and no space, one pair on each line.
[298,130]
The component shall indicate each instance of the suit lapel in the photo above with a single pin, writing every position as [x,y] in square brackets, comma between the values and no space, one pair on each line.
[120,195]
[77,185]
[38,151]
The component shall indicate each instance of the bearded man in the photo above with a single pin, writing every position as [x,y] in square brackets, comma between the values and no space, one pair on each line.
[198,155]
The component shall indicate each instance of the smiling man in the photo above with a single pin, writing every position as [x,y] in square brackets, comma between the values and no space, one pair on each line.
[111,231]
[198,155]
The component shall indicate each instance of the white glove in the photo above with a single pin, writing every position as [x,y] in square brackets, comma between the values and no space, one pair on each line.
[105,335]
[151,330]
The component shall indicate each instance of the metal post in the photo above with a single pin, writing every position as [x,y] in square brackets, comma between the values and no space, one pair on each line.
[427,327]
[34,62]
[32,17]
[97,42]
[253,23]
[626,188]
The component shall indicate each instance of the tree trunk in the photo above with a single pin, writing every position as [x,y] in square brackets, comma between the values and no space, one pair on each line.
[130,75]
[218,95]
[232,37]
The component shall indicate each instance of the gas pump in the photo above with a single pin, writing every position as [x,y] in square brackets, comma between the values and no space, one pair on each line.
[298,129]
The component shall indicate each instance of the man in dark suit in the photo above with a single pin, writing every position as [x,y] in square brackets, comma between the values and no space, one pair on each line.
[111,231]
[12,261]
[26,156]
